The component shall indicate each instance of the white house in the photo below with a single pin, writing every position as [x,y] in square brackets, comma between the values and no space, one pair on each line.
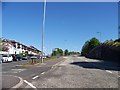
[17,48]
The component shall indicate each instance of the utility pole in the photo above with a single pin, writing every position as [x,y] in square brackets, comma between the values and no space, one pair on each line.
[43,28]
[119,32]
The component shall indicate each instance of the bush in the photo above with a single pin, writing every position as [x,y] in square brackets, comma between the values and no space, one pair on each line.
[89,45]
[57,52]
[116,44]
[30,55]
[109,42]
[112,43]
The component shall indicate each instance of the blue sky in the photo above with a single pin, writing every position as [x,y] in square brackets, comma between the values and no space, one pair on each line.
[68,25]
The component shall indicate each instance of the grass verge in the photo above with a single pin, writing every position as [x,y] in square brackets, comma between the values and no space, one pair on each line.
[36,62]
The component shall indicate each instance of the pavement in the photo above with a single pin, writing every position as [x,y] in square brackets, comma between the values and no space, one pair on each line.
[9,81]
[64,72]
[79,72]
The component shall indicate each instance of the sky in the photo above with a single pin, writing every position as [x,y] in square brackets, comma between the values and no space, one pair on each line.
[68,25]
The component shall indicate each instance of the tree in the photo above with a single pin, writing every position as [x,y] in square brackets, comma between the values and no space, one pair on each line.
[89,45]
[73,53]
[3,45]
[57,52]
[66,52]
[93,43]
[85,48]
[60,52]
[0,44]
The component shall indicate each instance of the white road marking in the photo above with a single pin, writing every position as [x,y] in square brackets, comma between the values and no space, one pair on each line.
[86,60]
[18,70]
[29,84]
[35,77]
[19,84]
[108,71]
[43,73]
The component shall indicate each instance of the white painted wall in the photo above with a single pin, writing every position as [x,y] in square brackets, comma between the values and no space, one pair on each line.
[12,50]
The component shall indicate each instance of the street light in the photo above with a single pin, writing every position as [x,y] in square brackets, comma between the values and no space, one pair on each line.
[100,35]
[43,28]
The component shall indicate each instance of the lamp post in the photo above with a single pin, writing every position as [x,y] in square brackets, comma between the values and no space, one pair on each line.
[100,35]
[119,32]
[43,28]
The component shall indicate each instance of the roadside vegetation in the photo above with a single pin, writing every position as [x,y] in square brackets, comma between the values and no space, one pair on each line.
[59,52]
[3,45]
[112,43]
[93,43]
[37,61]
[89,45]
[108,50]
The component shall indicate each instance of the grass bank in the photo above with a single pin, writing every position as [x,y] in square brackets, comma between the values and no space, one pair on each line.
[37,61]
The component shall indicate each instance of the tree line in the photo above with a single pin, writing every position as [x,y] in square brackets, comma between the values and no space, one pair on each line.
[60,52]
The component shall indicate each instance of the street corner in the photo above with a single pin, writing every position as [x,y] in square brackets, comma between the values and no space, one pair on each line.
[7,79]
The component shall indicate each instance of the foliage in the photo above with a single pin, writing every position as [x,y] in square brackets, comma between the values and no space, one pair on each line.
[0,45]
[116,44]
[60,52]
[109,42]
[30,55]
[4,48]
[85,49]
[73,53]
[21,55]
[112,43]
[89,45]
[3,45]
[57,52]
[66,52]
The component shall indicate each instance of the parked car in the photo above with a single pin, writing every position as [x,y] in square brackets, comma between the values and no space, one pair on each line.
[7,58]
[0,58]
[26,58]
[17,57]
[34,57]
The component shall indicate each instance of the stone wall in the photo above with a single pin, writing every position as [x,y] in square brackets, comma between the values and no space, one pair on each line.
[106,52]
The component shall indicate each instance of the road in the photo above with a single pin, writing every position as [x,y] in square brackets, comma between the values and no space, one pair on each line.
[70,72]
[26,73]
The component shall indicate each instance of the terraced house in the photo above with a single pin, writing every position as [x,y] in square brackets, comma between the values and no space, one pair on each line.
[14,47]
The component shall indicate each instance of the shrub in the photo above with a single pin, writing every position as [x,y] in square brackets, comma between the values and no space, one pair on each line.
[89,45]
